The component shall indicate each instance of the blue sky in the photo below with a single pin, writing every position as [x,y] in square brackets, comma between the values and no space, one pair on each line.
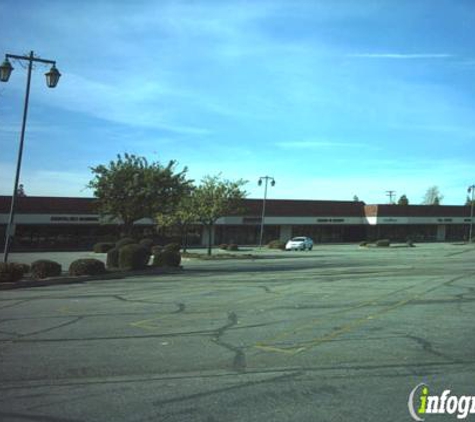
[332,98]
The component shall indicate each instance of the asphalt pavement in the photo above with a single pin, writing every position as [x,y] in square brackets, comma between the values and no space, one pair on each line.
[340,333]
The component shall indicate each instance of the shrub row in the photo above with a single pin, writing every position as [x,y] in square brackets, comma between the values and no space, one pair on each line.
[276,244]
[156,249]
[230,247]
[147,244]
[11,272]
[43,268]
[135,256]
[130,256]
[87,266]
[175,247]
[167,258]
[104,247]
[124,241]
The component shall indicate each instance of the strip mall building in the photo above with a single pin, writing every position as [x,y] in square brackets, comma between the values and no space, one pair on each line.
[59,223]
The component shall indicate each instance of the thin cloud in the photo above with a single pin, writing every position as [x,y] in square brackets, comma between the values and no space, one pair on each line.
[320,144]
[403,56]
[130,106]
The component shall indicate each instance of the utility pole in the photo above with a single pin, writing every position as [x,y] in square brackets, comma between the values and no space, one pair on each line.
[391,194]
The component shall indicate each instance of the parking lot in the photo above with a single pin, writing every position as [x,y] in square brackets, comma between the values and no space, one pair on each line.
[340,333]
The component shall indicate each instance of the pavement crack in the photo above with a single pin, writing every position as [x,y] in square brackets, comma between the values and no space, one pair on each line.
[180,306]
[12,305]
[110,338]
[180,399]
[46,330]
[239,361]
[124,299]
[427,347]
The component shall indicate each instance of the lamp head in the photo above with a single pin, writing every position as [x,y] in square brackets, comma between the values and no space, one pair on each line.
[52,77]
[5,70]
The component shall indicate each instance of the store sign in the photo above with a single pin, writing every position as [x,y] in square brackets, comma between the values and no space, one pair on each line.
[330,220]
[390,220]
[67,219]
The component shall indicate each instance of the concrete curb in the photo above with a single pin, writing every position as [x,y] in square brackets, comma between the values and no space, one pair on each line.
[111,275]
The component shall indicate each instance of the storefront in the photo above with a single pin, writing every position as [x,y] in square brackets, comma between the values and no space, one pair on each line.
[73,223]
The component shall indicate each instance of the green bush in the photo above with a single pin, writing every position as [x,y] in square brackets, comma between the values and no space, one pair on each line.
[383,243]
[133,257]
[87,266]
[124,241]
[175,247]
[25,267]
[11,272]
[147,244]
[233,247]
[276,244]
[113,258]
[103,247]
[156,249]
[167,258]
[223,246]
[44,268]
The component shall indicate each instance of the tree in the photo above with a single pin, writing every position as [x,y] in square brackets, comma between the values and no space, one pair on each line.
[182,217]
[131,188]
[21,190]
[215,198]
[403,200]
[356,199]
[432,196]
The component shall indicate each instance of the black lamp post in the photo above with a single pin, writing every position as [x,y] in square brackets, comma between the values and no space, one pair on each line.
[52,78]
[272,183]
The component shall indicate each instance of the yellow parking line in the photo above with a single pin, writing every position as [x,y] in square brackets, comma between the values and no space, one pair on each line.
[316,321]
[144,324]
[303,346]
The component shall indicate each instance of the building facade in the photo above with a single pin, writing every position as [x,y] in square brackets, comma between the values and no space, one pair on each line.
[60,223]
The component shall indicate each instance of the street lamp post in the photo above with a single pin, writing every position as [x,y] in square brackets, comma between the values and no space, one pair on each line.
[471,189]
[272,183]
[52,78]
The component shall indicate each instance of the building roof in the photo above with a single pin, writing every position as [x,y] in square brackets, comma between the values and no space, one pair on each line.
[251,208]
[48,205]
[302,208]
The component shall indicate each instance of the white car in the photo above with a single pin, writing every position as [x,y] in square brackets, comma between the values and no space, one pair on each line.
[299,243]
